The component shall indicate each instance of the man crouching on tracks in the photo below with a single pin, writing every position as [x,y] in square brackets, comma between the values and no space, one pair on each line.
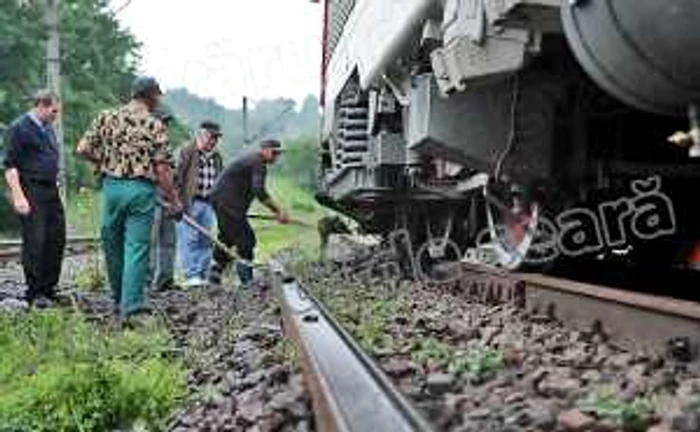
[130,148]
[31,171]
[241,182]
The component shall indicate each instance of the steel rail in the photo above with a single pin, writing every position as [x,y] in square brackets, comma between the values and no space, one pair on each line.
[631,319]
[349,392]
[12,249]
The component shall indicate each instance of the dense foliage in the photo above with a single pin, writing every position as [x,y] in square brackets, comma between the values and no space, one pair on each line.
[59,373]
[98,61]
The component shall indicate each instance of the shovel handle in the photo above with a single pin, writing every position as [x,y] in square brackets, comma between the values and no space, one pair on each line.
[205,232]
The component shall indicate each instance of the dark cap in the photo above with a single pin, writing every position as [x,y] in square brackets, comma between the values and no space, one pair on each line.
[212,127]
[272,144]
[143,85]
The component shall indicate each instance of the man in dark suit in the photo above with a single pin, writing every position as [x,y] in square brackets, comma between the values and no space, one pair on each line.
[31,171]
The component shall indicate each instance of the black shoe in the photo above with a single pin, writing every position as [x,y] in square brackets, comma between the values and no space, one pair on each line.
[42,302]
[168,285]
[215,275]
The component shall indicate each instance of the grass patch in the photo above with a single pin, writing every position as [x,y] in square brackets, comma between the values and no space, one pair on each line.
[83,212]
[60,373]
[300,205]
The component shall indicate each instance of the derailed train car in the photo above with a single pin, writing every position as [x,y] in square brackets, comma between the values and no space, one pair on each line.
[506,125]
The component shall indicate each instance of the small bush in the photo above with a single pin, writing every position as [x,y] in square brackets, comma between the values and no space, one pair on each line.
[59,373]
[432,351]
[633,416]
[480,364]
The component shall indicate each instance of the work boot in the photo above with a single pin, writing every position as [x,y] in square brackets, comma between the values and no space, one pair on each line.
[42,302]
[168,285]
[215,273]
[245,274]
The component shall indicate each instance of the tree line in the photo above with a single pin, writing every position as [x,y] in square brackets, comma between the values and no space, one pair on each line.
[99,60]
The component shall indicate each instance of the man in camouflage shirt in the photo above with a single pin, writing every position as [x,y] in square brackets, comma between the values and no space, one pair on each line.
[130,148]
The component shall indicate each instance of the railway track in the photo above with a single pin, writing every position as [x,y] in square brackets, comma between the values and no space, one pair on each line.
[11,250]
[350,392]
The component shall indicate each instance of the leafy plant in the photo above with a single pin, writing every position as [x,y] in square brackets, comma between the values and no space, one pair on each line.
[634,415]
[479,364]
[60,373]
[90,278]
[431,350]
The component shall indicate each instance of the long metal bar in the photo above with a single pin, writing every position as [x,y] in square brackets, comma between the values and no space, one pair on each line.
[272,218]
[631,319]
[348,390]
[69,240]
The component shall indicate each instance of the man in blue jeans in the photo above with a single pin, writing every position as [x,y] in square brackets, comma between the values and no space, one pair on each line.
[198,167]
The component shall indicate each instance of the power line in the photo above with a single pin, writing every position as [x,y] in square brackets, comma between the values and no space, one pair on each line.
[122,7]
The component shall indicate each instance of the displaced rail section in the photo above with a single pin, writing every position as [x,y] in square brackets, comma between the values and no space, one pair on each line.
[631,319]
[349,391]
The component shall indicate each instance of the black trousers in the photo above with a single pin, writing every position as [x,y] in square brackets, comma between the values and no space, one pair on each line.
[43,239]
[234,230]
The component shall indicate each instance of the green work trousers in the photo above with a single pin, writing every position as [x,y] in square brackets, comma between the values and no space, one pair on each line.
[127,216]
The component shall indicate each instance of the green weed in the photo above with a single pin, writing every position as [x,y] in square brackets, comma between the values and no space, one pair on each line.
[433,351]
[481,364]
[634,416]
[60,373]
[91,278]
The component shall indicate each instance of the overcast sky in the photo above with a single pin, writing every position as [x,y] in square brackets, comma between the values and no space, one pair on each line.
[226,49]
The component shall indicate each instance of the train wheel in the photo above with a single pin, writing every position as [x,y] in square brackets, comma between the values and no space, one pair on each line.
[510,232]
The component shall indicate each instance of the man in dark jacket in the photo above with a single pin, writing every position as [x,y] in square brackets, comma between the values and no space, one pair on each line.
[234,191]
[31,170]
[199,164]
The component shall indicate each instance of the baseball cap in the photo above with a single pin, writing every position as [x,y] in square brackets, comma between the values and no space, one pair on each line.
[212,127]
[144,84]
[273,145]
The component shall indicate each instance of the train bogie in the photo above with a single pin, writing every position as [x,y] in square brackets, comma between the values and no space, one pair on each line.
[469,119]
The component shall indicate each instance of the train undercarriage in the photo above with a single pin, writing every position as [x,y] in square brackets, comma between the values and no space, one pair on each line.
[479,131]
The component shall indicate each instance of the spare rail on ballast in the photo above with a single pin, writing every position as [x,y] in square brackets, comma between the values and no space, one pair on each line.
[349,392]
[631,319]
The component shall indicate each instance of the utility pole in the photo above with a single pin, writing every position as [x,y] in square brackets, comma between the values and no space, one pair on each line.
[52,17]
[245,122]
